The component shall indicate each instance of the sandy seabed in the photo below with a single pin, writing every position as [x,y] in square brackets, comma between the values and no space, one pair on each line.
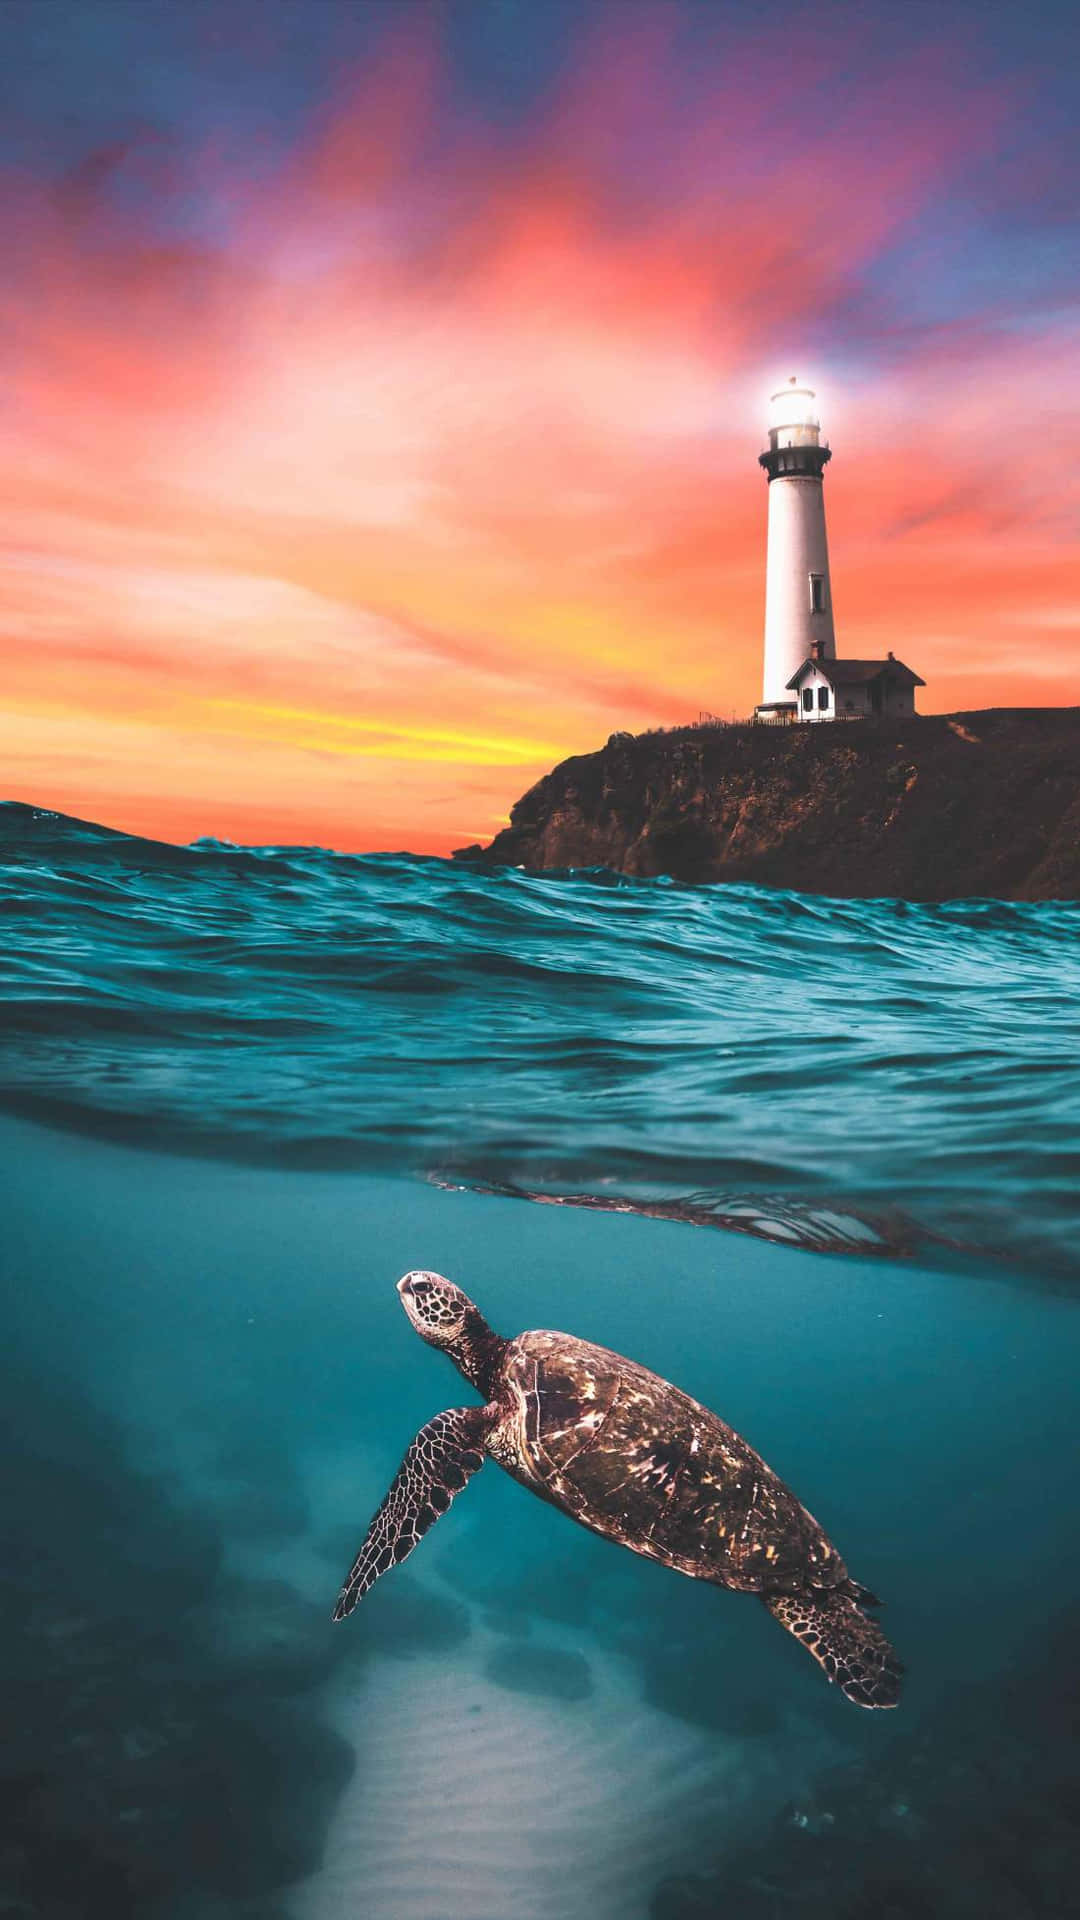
[472,1802]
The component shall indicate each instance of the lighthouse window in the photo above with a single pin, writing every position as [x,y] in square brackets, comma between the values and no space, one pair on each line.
[817,593]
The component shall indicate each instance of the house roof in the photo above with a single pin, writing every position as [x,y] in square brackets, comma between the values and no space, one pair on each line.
[857,673]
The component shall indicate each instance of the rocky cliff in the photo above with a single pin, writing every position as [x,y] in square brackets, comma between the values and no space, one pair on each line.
[927,809]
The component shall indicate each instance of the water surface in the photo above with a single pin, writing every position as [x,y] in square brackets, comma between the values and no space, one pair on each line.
[793,1065]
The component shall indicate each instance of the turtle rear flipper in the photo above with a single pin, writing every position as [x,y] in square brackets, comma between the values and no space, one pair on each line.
[851,1649]
[442,1459]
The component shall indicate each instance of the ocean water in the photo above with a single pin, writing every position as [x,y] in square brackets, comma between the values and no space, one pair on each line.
[818,1163]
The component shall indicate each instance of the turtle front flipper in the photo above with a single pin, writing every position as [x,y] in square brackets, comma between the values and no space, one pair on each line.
[850,1647]
[442,1459]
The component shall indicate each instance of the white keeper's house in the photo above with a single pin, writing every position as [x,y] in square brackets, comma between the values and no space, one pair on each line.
[804,679]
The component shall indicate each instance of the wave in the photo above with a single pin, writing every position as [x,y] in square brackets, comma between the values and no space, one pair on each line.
[836,1073]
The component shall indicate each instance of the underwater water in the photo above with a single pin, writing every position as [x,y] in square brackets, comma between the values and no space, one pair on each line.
[244,1091]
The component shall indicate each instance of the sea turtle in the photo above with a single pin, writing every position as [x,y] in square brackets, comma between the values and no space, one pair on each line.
[630,1457]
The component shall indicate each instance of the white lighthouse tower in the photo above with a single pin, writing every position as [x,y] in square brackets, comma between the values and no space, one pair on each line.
[798,592]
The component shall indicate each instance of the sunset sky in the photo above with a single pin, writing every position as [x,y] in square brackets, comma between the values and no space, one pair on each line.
[382,386]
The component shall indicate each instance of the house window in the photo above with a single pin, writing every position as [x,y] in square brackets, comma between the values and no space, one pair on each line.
[823,697]
[808,699]
[817,593]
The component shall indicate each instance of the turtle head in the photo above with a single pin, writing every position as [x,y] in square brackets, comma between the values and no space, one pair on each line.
[438,1310]
[445,1317]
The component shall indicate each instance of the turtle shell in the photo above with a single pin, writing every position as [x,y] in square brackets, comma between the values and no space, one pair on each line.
[632,1457]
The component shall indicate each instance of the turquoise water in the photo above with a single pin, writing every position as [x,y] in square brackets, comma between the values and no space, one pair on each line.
[245,1091]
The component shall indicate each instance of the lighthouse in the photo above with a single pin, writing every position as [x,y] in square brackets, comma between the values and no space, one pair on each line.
[798,592]
[804,680]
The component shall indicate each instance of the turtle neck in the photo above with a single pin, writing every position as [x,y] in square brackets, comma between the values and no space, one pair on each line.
[477,1352]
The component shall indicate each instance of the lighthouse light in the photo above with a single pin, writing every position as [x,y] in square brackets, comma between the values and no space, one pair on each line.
[793,407]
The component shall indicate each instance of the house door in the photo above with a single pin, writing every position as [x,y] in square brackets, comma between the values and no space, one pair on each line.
[875,696]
